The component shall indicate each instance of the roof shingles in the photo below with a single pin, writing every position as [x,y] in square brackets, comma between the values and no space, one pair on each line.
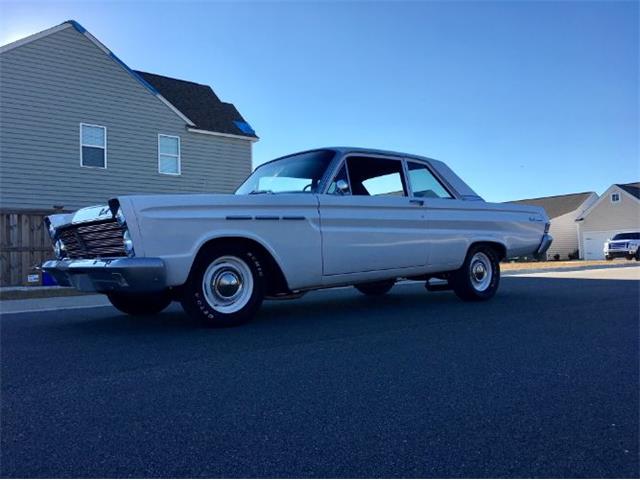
[631,188]
[201,105]
[559,204]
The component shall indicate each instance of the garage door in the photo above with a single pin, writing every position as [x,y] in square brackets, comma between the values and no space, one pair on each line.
[594,243]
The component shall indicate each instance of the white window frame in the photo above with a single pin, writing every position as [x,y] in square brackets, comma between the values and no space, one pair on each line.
[178,157]
[617,194]
[93,146]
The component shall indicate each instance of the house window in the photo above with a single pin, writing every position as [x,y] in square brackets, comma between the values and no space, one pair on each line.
[615,197]
[93,146]
[169,154]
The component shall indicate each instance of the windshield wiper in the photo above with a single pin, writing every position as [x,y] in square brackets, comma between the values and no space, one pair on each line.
[259,192]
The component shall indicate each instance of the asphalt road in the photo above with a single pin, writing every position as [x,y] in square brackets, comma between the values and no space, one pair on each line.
[541,381]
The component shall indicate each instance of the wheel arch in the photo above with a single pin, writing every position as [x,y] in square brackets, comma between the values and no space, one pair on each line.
[497,246]
[277,281]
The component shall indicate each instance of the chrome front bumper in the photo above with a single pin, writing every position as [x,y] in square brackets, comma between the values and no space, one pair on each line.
[109,275]
[628,250]
[545,243]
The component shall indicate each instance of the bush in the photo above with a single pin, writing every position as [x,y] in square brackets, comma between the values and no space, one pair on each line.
[556,257]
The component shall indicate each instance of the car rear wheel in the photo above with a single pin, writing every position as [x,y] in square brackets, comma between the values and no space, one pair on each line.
[225,287]
[375,288]
[479,276]
[140,304]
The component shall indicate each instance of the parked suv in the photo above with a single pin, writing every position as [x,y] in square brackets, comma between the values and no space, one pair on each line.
[623,245]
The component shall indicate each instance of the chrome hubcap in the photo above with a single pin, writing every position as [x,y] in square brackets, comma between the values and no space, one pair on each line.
[480,271]
[227,284]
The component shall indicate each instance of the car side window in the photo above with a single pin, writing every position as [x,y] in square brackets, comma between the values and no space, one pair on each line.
[423,183]
[341,175]
[374,176]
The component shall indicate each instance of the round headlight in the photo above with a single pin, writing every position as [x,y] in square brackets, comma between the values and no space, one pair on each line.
[59,249]
[128,243]
[120,217]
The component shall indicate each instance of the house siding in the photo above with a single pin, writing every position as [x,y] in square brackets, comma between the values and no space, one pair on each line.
[51,85]
[565,232]
[565,236]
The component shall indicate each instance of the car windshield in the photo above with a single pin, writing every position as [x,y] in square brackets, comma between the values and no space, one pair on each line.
[627,236]
[297,173]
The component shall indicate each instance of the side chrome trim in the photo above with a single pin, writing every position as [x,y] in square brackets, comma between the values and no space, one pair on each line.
[265,217]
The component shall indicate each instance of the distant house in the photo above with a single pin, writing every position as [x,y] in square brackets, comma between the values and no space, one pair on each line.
[563,210]
[78,126]
[616,211]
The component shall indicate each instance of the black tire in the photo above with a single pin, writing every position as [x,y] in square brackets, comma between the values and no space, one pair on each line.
[638,256]
[241,299]
[375,288]
[140,304]
[468,283]
[608,258]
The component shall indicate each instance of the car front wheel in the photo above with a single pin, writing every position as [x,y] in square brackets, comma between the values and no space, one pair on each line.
[140,304]
[479,276]
[225,287]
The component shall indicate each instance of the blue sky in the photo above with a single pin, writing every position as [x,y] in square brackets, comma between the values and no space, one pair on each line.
[522,99]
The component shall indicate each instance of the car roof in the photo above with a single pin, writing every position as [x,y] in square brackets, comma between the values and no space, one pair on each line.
[345,150]
[463,190]
[376,151]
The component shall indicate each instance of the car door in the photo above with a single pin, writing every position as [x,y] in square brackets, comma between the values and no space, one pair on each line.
[447,222]
[373,224]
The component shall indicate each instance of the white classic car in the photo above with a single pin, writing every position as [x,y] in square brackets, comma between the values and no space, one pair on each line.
[316,219]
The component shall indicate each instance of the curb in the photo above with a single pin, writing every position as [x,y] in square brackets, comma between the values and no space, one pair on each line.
[24,293]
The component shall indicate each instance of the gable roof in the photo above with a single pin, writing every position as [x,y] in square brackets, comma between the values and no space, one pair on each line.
[183,98]
[558,205]
[631,188]
[200,104]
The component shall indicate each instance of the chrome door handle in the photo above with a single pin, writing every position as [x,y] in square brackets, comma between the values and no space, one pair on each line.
[417,202]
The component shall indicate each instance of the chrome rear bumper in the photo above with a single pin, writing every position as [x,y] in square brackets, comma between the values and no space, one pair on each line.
[109,275]
[545,243]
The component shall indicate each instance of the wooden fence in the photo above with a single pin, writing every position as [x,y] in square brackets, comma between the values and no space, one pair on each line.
[24,244]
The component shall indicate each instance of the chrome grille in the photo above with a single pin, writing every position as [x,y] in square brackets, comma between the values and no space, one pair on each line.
[617,246]
[91,240]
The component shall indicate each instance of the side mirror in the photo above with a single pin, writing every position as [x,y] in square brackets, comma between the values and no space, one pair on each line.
[342,187]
